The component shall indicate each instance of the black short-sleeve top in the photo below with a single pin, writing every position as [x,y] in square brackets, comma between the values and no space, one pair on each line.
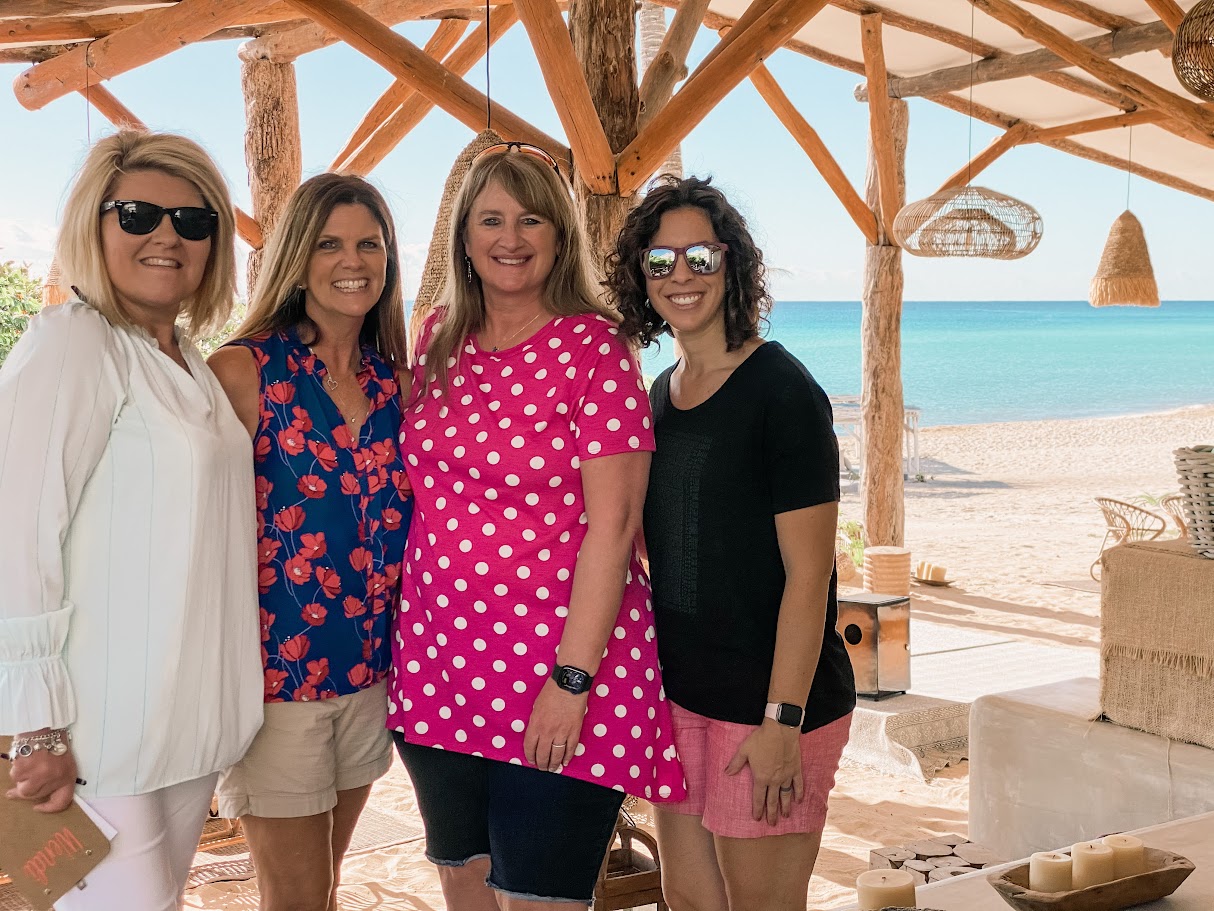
[761,445]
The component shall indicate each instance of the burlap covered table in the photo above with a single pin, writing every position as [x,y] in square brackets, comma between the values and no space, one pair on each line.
[1157,640]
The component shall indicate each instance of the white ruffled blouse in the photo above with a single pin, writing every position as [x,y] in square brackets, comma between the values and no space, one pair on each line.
[127,555]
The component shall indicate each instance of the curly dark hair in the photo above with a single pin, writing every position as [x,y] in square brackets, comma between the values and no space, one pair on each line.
[747,301]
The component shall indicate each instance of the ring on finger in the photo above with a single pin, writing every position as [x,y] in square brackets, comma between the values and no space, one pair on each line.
[785,788]
[559,746]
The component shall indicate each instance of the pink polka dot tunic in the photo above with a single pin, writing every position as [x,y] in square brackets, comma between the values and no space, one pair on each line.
[497,524]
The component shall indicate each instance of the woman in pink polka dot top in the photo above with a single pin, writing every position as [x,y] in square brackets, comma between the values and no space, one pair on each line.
[525,689]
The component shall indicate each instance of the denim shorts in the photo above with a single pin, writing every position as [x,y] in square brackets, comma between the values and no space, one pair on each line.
[545,834]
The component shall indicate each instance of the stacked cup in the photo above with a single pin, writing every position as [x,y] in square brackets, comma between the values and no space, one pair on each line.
[887,570]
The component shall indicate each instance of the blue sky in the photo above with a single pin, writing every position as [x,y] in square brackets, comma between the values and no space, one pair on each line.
[815,250]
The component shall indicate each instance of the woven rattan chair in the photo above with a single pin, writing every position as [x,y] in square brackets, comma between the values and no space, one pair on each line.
[1173,505]
[1125,522]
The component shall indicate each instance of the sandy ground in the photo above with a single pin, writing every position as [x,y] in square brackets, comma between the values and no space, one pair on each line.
[1008,509]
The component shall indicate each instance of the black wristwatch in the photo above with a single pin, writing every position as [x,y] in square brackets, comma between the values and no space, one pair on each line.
[572,679]
[784,713]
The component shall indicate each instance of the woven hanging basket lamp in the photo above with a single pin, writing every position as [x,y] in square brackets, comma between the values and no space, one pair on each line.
[53,291]
[968,221]
[438,258]
[1193,50]
[1124,277]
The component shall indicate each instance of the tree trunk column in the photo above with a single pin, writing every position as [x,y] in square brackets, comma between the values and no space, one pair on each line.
[882,411]
[271,144]
[604,37]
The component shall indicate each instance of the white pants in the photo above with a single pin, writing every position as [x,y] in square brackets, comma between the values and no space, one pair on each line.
[150,857]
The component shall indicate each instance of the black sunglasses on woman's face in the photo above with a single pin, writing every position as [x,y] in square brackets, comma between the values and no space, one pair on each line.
[138,217]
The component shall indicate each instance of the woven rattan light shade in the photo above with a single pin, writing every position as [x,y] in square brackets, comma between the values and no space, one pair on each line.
[1193,50]
[434,275]
[1124,277]
[53,291]
[968,221]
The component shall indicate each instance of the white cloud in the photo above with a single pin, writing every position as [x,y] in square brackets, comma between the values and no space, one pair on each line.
[24,242]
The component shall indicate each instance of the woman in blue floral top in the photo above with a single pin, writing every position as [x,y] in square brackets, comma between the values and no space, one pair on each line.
[312,373]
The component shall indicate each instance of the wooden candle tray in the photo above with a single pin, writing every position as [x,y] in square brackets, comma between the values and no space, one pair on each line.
[1165,871]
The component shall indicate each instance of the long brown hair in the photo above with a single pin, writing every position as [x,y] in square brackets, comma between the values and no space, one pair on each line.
[572,287]
[278,303]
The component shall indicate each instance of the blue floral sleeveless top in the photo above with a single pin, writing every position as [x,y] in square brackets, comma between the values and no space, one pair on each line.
[333,514]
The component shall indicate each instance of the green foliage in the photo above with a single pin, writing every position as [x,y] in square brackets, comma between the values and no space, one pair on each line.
[210,343]
[852,533]
[20,298]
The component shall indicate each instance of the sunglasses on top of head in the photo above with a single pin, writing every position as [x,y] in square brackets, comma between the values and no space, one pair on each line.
[137,217]
[702,259]
[526,148]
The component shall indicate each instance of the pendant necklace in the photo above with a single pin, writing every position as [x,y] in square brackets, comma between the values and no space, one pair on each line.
[516,333]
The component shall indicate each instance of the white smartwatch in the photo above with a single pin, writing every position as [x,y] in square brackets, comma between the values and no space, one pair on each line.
[784,713]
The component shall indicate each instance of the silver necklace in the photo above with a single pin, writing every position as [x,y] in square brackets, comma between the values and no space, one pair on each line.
[329,382]
[516,333]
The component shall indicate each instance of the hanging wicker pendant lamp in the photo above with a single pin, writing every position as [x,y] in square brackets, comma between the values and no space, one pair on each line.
[1124,277]
[968,221]
[1193,50]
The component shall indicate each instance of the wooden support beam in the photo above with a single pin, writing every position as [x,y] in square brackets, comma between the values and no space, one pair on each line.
[708,85]
[441,43]
[286,46]
[753,11]
[1085,12]
[879,127]
[123,117]
[406,61]
[1168,11]
[1135,86]
[1094,125]
[913,26]
[569,92]
[1148,37]
[414,108]
[669,65]
[809,140]
[157,34]
[63,29]
[881,402]
[1018,134]
[17,9]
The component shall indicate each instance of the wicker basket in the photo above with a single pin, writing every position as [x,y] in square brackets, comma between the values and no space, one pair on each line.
[1195,466]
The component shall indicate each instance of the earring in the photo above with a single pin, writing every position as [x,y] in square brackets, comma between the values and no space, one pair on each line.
[468,269]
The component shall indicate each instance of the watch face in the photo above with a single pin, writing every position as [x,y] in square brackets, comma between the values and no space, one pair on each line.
[788,714]
[573,680]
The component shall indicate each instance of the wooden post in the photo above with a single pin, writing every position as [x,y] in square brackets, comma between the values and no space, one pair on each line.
[881,404]
[271,143]
[604,38]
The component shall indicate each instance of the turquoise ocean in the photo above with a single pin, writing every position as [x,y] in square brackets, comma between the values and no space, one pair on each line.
[973,363]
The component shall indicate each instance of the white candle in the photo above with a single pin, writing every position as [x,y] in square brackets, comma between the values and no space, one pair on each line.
[1091,864]
[877,889]
[1128,857]
[1049,871]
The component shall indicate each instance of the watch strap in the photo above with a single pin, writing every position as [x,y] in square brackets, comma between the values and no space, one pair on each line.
[572,679]
[784,713]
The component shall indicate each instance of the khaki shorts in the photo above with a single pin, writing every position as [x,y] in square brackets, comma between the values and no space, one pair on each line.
[305,753]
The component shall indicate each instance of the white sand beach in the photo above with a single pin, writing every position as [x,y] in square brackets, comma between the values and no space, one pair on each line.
[1008,509]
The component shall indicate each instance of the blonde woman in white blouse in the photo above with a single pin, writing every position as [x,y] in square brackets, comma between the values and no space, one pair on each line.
[129,667]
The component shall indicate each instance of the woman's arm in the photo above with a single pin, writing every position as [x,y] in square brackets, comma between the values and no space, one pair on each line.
[236,369]
[60,391]
[807,548]
[614,492]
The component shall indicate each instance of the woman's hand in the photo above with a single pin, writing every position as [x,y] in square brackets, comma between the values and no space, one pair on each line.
[773,753]
[555,727]
[45,778]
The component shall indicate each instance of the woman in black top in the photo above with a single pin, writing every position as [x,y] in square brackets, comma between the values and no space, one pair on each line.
[740,526]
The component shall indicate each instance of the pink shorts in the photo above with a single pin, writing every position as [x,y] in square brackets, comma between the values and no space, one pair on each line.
[706,746]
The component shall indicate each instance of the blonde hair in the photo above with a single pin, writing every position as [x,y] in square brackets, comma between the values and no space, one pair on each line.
[571,288]
[78,249]
[278,301]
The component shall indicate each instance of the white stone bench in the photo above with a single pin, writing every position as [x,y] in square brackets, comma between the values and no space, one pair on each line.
[1043,775]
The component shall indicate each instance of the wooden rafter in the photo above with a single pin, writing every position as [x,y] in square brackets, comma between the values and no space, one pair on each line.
[669,65]
[569,92]
[441,43]
[708,85]
[1168,11]
[407,62]
[1095,125]
[123,117]
[289,45]
[154,36]
[879,125]
[1018,134]
[749,16]
[809,140]
[1147,37]
[1085,12]
[26,8]
[64,29]
[995,118]
[1137,87]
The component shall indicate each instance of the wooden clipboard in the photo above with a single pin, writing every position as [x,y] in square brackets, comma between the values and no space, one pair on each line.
[45,854]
